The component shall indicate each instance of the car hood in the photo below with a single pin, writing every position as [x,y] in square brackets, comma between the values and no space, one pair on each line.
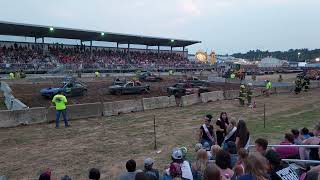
[49,90]
[115,87]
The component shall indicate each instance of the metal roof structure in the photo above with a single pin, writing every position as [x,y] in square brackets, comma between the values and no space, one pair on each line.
[38,31]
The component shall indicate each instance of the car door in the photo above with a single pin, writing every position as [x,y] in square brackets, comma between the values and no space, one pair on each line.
[127,89]
[77,89]
[67,88]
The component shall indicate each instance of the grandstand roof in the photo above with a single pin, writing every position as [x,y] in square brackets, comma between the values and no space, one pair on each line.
[30,30]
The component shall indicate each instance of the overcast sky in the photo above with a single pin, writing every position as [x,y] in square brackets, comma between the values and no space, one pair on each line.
[226,26]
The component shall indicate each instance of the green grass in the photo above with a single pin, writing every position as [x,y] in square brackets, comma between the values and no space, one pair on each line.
[279,123]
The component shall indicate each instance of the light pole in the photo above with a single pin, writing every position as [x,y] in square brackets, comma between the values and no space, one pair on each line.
[299,53]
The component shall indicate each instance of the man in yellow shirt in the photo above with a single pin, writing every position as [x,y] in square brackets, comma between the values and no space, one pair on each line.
[97,74]
[60,101]
[268,87]
[11,75]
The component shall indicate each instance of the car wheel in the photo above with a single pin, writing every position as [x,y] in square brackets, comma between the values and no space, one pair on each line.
[85,92]
[119,92]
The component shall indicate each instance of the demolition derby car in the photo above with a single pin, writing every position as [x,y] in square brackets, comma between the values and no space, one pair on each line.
[149,77]
[131,87]
[69,88]
[195,81]
[181,89]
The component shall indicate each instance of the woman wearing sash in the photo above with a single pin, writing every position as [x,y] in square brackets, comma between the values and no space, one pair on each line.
[206,131]
[242,135]
[221,127]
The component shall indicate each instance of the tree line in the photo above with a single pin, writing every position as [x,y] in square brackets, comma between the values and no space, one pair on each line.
[297,55]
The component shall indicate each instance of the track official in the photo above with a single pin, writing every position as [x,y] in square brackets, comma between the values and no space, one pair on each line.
[60,101]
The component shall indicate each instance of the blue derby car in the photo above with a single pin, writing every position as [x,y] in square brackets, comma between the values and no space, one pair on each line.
[70,89]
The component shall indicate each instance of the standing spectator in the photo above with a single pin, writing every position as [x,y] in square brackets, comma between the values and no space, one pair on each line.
[239,169]
[242,135]
[200,164]
[232,150]
[131,171]
[221,127]
[313,154]
[255,168]
[94,174]
[261,145]
[305,133]
[212,172]
[231,134]
[297,140]
[60,101]
[206,131]
[287,152]
[276,166]
[223,161]
[148,168]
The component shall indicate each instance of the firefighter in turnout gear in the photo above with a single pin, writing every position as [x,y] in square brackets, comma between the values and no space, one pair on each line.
[249,94]
[242,95]
[298,83]
[306,83]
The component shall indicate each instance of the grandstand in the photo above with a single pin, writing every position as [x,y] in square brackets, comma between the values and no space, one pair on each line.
[35,57]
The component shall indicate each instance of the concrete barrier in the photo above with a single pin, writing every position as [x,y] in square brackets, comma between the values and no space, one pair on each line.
[78,111]
[18,105]
[284,89]
[8,100]
[5,88]
[216,79]
[118,107]
[11,102]
[233,81]
[257,92]
[211,96]
[231,94]
[314,84]
[158,102]
[10,118]
[190,100]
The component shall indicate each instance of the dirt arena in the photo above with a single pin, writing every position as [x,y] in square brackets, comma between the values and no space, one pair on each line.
[108,142]
[29,92]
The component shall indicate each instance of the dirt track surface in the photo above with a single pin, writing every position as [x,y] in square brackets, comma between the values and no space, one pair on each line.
[108,142]
[29,92]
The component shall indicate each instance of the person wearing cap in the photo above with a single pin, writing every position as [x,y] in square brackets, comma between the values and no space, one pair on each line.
[148,168]
[242,95]
[178,167]
[207,131]
[60,101]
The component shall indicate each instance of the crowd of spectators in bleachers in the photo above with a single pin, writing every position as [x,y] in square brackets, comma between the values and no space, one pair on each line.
[31,55]
[231,159]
